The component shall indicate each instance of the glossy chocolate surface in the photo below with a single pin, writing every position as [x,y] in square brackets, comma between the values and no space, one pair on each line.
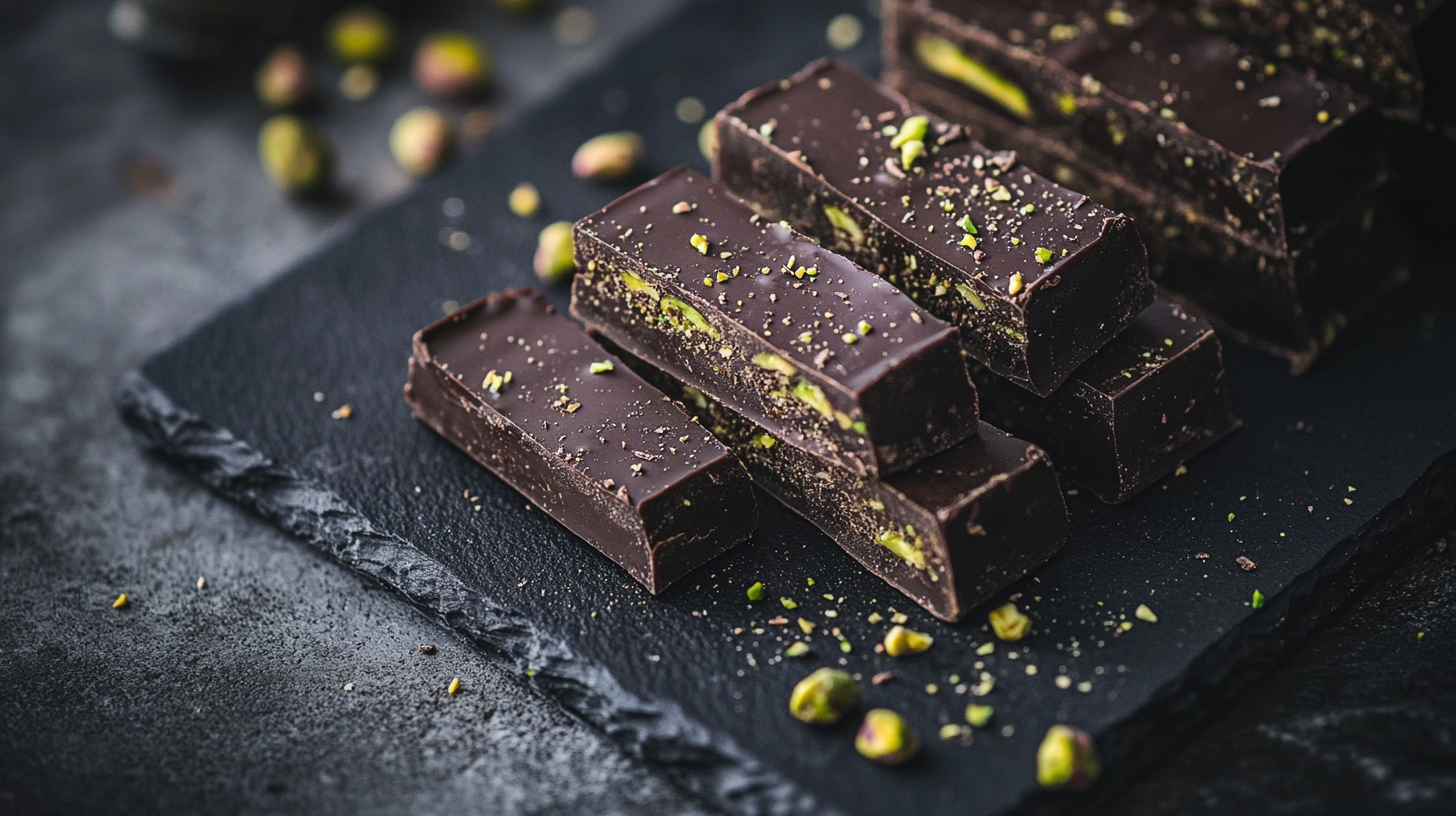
[1037,279]
[1147,402]
[602,452]
[948,533]
[825,353]
[1269,150]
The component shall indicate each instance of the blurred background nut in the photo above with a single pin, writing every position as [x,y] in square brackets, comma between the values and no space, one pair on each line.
[525,200]
[555,261]
[884,737]
[452,63]
[608,157]
[362,35]
[284,79]
[296,157]
[1067,759]
[358,82]
[824,697]
[421,141]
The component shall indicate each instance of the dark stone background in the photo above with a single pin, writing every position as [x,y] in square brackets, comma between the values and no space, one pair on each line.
[131,207]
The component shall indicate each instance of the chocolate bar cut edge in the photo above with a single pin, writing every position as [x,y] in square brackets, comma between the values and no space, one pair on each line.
[658,504]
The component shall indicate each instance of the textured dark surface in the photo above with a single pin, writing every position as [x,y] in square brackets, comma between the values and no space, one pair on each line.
[231,699]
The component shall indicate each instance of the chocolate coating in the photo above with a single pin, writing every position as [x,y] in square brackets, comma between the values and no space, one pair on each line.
[949,532]
[605,454]
[827,355]
[1150,400]
[1047,276]
[1271,151]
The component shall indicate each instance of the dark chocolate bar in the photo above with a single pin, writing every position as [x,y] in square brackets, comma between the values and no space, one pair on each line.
[524,392]
[1150,400]
[1292,305]
[1036,276]
[1399,53]
[949,532]
[823,353]
[1270,151]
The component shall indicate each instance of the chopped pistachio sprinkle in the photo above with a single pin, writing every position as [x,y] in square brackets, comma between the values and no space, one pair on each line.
[788,603]
[1144,613]
[755,592]
[700,243]
[1043,255]
[601,367]
[121,601]
[1009,623]
[1257,601]
[1015,284]
[454,687]
[798,649]
[979,715]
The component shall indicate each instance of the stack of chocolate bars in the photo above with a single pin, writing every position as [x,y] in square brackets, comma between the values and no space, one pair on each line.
[1259,185]
[826,308]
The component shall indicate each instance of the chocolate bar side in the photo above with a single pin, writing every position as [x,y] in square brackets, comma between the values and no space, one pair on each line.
[658,504]
[1265,148]
[1037,277]
[1291,306]
[1147,402]
[807,343]
[948,533]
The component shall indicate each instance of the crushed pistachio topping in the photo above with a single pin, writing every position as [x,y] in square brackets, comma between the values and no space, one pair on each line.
[700,243]
[1014,285]
[121,602]
[601,367]
[884,737]
[1009,623]
[968,225]
[806,626]
[824,697]
[1067,759]
[797,649]
[986,648]
[901,544]
[1256,602]
[755,592]
[1043,255]
[900,641]
[788,603]
[1144,613]
[454,687]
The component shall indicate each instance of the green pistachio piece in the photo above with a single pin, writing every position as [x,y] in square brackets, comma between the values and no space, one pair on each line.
[901,641]
[979,715]
[608,157]
[601,367]
[773,362]
[943,57]
[1009,623]
[636,284]
[554,261]
[912,131]
[284,79]
[452,63]
[421,140]
[362,35]
[1067,759]
[755,592]
[813,396]
[971,297]
[884,737]
[295,156]
[797,649]
[824,697]
[841,221]
[910,152]
[685,318]
[899,544]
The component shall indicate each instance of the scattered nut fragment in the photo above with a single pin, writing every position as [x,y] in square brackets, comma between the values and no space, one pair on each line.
[882,678]
[525,200]
[608,157]
[979,715]
[427,648]
[421,140]
[1247,563]
[284,80]
[1067,759]
[1144,613]
[1257,601]
[844,32]
[708,140]
[358,82]
[554,262]
[901,641]
[755,592]
[1009,623]
[884,737]
[452,64]
[121,602]
[824,697]
[201,582]
[295,156]
[798,649]
[362,34]
[454,686]
[342,412]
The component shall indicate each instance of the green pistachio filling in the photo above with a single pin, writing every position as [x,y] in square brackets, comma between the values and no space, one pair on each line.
[941,56]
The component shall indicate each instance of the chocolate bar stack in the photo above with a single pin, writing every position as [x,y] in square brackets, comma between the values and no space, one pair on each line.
[1260,187]
[846,400]
[1049,290]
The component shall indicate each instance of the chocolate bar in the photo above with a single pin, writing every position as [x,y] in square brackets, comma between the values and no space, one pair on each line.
[1036,276]
[1292,305]
[1150,400]
[949,532]
[1271,152]
[821,352]
[1397,52]
[524,392]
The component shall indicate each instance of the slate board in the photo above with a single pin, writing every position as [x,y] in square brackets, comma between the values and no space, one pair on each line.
[665,677]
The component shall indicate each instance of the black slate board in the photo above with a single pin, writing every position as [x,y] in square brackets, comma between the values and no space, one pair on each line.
[664,676]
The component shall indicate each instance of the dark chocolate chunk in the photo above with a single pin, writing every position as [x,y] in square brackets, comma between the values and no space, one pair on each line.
[524,392]
[1291,305]
[1270,151]
[822,352]
[949,533]
[1150,400]
[1036,276]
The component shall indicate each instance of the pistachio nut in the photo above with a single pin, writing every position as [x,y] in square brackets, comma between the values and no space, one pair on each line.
[884,737]
[452,63]
[1009,623]
[555,261]
[525,200]
[824,697]
[421,140]
[608,157]
[295,156]
[901,641]
[1067,759]
[362,34]
[284,80]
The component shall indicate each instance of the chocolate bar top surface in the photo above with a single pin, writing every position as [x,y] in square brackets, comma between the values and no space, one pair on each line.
[1160,59]
[947,481]
[1158,334]
[834,115]
[642,224]
[611,425]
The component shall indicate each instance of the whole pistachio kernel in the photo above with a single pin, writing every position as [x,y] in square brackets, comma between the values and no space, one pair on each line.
[608,157]
[554,262]
[979,715]
[1067,759]
[824,697]
[295,156]
[362,35]
[900,641]
[525,200]
[884,737]
[755,592]
[1145,613]
[452,64]
[421,141]
[797,649]
[284,79]
[1009,623]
